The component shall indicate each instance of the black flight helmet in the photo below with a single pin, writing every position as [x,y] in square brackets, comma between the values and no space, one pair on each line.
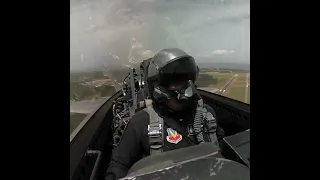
[168,67]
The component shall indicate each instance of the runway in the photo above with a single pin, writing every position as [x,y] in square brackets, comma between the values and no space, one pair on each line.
[224,88]
[247,91]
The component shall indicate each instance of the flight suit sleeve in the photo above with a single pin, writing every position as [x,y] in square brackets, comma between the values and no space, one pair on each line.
[219,131]
[129,150]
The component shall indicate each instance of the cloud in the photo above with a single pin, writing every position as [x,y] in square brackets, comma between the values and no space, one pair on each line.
[220,52]
[99,27]
[147,0]
[138,53]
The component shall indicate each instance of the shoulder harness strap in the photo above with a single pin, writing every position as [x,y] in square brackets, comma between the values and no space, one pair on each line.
[211,126]
[155,131]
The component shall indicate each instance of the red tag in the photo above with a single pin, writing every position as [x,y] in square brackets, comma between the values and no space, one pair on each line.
[173,136]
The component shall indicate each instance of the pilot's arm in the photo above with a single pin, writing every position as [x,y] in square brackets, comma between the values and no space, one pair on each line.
[131,147]
[219,131]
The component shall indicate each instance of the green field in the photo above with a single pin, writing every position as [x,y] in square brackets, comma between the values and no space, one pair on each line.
[223,79]
[248,100]
[241,78]
[80,91]
[237,90]
[236,93]
[213,79]
[220,78]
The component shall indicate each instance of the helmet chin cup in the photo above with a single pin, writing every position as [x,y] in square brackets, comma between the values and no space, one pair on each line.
[186,95]
[187,92]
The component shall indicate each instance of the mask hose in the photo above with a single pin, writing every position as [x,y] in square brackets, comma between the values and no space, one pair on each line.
[198,122]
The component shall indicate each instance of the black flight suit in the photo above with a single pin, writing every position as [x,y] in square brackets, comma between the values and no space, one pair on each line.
[135,143]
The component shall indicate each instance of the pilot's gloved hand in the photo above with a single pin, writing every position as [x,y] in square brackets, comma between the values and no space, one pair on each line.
[220,133]
[220,136]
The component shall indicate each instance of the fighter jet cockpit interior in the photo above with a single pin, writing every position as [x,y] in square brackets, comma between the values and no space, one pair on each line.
[159,89]
[235,147]
[134,97]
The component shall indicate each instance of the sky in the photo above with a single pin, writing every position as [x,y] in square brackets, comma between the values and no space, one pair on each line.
[113,32]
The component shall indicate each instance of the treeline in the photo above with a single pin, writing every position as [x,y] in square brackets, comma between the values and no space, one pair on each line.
[205,80]
[214,70]
[220,70]
[233,70]
[80,92]
[119,75]
[88,75]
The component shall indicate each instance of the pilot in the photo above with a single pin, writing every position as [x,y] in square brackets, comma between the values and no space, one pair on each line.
[177,118]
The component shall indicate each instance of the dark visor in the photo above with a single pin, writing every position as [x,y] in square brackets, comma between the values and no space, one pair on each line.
[180,70]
